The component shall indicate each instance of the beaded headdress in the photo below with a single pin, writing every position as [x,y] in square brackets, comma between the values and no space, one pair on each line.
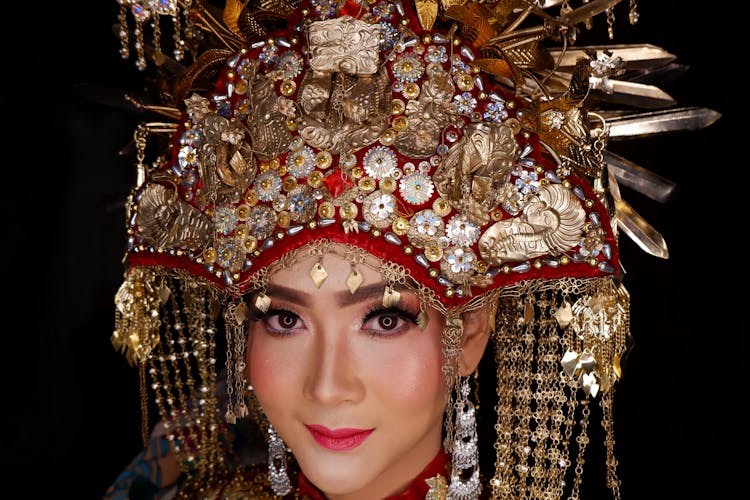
[463,144]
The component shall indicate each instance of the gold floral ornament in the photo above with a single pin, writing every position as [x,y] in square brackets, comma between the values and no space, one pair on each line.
[552,222]
[600,323]
[137,323]
[563,124]
[476,169]
[345,99]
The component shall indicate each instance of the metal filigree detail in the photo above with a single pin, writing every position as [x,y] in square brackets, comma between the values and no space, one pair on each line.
[476,168]
[165,221]
[427,116]
[344,45]
[552,222]
[342,112]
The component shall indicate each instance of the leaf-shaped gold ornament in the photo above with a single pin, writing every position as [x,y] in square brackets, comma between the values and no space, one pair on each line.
[477,20]
[213,58]
[232,11]
[427,11]
[495,67]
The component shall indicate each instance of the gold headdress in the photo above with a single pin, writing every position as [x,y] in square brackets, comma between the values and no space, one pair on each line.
[464,144]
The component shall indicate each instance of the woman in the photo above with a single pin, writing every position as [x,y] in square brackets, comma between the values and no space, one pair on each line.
[352,204]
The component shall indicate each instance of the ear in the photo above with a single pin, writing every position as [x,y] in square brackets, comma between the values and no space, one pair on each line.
[475,337]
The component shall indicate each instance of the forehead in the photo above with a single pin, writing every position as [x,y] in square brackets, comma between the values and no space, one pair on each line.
[329,272]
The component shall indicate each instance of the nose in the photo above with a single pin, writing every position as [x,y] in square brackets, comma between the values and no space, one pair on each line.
[333,375]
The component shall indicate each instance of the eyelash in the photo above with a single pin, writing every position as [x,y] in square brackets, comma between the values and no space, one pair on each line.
[404,314]
[265,316]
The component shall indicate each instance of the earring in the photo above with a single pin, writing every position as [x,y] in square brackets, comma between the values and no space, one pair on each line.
[465,457]
[277,464]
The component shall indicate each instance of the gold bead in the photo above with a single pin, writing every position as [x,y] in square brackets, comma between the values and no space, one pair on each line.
[366,184]
[564,260]
[241,231]
[441,207]
[250,244]
[433,253]
[243,211]
[411,90]
[408,250]
[289,183]
[400,123]
[251,198]
[387,185]
[397,107]
[589,202]
[357,172]
[537,264]
[465,82]
[324,159]
[433,273]
[400,226]
[312,224]
[209,255]
[288,87]
[241,87]
[348,211]
[376,233]
[449,292]
[388,137]
[284,219]
[593,262]
[326,210]
[315,179]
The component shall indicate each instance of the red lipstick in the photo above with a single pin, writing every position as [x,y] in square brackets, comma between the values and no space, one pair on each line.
[338,439]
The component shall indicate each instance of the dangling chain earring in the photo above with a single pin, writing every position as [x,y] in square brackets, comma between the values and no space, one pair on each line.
[465,456]
[277,464]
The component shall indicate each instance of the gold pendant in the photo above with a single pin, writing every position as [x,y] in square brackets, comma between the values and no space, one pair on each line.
[318,274]
[390,297]
[262,302]
[354,279]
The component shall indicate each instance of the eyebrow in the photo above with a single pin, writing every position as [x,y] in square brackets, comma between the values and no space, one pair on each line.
[343,298]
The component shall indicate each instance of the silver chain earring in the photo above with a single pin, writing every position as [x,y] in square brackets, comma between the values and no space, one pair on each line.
[277,475]
[465,458]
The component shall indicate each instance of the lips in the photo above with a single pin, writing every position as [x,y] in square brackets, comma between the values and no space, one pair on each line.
[343,439]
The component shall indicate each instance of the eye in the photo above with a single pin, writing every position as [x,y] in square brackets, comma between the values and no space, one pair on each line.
[388,321]
[281,321]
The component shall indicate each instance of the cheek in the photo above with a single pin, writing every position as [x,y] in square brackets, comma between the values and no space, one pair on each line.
[264,362]
[410,375]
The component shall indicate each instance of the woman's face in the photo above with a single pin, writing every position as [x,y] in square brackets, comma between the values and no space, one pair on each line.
[355,389]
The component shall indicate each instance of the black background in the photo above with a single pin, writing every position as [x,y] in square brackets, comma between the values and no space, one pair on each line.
[70,409]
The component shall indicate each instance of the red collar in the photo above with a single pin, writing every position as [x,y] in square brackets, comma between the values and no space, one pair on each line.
[417,490]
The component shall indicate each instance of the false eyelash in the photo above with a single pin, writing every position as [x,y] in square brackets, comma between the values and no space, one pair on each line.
[404,313]
[258,315]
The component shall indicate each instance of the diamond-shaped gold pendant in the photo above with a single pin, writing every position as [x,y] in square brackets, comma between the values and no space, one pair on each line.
[318,274]
[262,302]
[390,297]
[354,279]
